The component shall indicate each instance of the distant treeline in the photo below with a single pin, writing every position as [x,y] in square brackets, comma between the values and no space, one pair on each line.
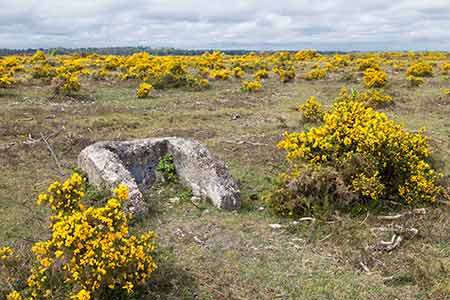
[130,50]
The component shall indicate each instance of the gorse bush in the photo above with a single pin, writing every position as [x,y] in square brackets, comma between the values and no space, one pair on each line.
[251,86]
[372,98]
[375,158]
[374,78]
[221,74]
[420,69]
[414,81]
[261,74]
[311,110]
[143,90]
[285,74]
[238,72]
[89,249]
[315,74]
[6,81]
[306,55]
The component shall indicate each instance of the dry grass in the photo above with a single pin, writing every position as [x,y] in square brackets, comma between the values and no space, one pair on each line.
[239,256]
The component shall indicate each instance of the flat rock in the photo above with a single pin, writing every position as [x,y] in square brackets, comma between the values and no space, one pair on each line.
[133,163]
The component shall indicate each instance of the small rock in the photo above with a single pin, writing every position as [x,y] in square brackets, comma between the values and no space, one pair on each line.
[275,226]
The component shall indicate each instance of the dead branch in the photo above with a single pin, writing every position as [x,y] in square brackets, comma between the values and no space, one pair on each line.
[418,211]
[60,169]
[364,267]
[397,230]
[245,142]
[30,140]
[389,246]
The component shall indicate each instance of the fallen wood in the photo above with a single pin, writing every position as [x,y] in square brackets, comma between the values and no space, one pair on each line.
[389,246]
[245,142]
[50,149]
[30,140]
[418,211]
[397,230]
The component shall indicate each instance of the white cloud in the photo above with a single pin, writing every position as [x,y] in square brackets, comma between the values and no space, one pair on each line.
[263,24]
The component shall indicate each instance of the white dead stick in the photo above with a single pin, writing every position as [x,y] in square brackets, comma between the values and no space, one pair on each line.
[53,154]
[389,246]
[418,211]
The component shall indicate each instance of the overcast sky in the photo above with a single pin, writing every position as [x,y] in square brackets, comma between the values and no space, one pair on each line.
[227,24]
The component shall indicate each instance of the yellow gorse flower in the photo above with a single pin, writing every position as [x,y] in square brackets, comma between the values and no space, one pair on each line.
[92,246]
[351,129]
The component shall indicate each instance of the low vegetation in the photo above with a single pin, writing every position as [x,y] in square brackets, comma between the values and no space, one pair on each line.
[354,168]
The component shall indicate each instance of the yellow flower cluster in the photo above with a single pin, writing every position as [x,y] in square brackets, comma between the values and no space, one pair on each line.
[306,55]
[374,78]
[315,74]
[143,90]
[5,253]
[414,81]
[398,158]
[312,110]
[367,63]
[261,74]
[238,72]
[284,74]
[420,69]
[445,68]
[14,295]
[372,98]
[6,81]
[221,74]
[90,247]
[446,92]
[251,86]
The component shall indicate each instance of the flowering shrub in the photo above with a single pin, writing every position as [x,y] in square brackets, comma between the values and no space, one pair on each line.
[68,83]
[6,81]
[251,86]
[238,72]
[90,248]
[312,110]
[414,81]
[220,74]
[261,74]
[375,158]
[315,74]
[372,98]
[374,78]
[143,90]
[420,69]
[306,55]
[285,74]
[445,68]
[367,63]
[44,71]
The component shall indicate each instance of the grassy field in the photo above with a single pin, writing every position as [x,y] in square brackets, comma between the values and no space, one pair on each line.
[204,253]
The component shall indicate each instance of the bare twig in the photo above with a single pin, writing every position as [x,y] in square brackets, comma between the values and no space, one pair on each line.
[364,267]
[31,140]
[418,211]
[60,169]
[245,142]
[389,246]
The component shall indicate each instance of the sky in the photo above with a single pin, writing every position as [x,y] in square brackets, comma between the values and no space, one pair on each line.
[230,24]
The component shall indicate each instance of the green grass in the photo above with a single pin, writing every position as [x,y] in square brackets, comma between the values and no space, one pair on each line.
[241,257]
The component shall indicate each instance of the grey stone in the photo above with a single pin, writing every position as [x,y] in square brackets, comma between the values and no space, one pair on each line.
[134,163]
